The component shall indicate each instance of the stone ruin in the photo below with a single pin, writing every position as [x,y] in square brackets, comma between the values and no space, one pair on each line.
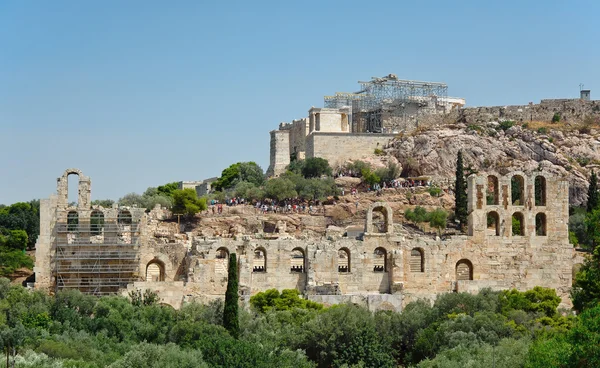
[115,250]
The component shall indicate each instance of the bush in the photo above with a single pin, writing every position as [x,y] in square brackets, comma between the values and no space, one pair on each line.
[434,191]
[556,117]
[542,130]
[505,125]
[379,152]
[288,299]
[316,167]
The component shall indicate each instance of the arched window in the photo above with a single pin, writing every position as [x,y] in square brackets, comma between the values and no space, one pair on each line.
[96,222]
[297,260]
[517,187]
[73,189]
[417,260]
[72,222]
[222,260]
[124,218]
[379,218]
[379,223]
[124,222]
[540,224]
[518,224]
[155,271]
[259,263]
[464,270]
[493,223]
[344,260]
[540,191]
[492,194]
[379,260]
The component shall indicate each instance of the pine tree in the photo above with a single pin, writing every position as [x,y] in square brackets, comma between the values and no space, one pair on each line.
[460,192]
[230,312]
[593,197]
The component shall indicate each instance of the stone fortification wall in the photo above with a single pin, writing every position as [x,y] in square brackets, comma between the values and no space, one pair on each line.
[570,110]
[280,152]
[298,133]
[340,147]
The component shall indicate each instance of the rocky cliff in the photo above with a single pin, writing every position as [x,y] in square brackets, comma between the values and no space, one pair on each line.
[563,150]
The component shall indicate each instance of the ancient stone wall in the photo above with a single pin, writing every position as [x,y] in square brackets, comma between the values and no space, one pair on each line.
[280,152]
[570,111]
[338,148]
[386,268]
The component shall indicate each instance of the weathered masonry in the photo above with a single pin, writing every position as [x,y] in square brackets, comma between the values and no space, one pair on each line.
[384,268]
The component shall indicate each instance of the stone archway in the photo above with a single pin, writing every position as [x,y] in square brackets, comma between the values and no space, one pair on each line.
[386,211]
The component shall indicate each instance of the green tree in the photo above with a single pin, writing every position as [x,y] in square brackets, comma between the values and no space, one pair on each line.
[238,172]
[231,320]
[315,167]
[437,219]
[252,173]
[593,197]
[167,189]
[186,201]
[585,292]
[460,192]
[280,188]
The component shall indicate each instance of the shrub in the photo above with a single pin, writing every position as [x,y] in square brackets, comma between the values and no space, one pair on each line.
[378,152]
[505,125]
[435,191]
[556,117]
[542,130]
[315,167]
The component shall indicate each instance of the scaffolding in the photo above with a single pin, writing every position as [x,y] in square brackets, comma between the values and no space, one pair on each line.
[384,104]
[340,100]
[95,257]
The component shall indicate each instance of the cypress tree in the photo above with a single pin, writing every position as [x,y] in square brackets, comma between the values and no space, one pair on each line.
[593,198]
[230,312]
[460,192]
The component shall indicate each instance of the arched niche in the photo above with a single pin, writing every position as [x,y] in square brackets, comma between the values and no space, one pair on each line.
[517,190]
[492,194]
[387,214]
[540,224]
[417,260]
[493,223]
[518,224]
[259,263]
[464,270]
[344,261]
[222,260]
[379,260]
[96,222]
[297,260]
[540,190]
[72,222]
[155,271]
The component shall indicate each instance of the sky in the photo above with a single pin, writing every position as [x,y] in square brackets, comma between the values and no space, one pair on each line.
[141,93]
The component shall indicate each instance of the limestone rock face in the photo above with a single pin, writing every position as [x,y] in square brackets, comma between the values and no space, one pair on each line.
[565,154]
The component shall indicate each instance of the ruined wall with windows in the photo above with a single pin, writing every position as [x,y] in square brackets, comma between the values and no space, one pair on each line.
[517,238]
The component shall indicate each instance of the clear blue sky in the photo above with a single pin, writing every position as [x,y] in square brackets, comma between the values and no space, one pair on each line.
[141,93]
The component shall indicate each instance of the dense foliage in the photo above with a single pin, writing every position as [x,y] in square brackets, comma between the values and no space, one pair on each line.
[19,229]
[239,172]
[437,218]
[162,195]
[508,329]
